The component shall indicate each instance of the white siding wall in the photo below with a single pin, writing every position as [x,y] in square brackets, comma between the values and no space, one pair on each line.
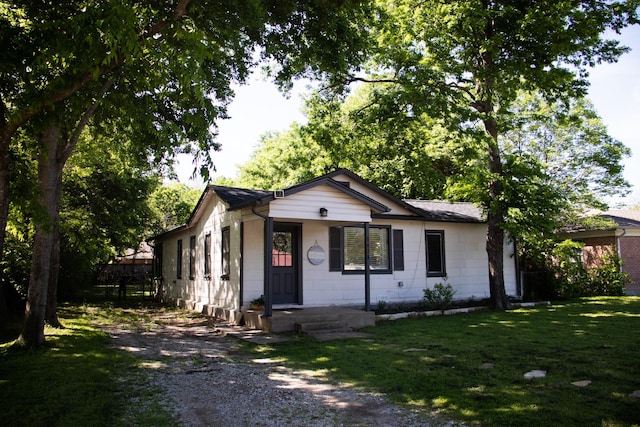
[253,259]
[200,289]
[307,204]
[465,257]
[354,185]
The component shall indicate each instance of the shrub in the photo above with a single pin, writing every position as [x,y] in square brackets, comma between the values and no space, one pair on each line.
[571,278]
[608,279]
[439,297]
[569,273]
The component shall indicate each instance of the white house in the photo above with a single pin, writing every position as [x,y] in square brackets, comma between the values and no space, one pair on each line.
[303,247]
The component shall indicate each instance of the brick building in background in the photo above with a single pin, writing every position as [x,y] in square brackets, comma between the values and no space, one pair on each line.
[623,238]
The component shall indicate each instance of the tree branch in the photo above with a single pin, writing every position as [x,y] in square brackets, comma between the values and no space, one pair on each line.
[81,80]
[84,120]
[362,79]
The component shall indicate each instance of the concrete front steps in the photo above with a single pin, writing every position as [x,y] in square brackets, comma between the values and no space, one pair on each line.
[311,320]
[326,323]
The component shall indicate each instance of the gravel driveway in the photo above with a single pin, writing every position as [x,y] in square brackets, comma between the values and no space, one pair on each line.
[208,380]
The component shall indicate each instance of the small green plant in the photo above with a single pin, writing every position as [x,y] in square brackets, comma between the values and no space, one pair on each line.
[258,302]
[440,297]
[382,306]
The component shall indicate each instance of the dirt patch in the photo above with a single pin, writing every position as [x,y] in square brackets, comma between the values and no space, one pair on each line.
[208,380]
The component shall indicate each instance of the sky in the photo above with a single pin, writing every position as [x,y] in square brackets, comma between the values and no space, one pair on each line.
[259,107]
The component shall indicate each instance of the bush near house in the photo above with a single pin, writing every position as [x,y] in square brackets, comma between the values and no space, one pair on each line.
[440,297]
[571,278]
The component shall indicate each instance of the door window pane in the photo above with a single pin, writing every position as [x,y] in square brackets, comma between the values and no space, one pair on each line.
[282,249]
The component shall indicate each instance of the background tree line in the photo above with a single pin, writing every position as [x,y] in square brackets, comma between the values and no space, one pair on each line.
[456,100]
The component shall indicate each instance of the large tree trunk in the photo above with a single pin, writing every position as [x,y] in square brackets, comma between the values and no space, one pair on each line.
[495,220]
[51,316]
[496,206]
[50,183]
[5,176]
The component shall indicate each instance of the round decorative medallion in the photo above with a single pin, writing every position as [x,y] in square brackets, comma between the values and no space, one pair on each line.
[316,255]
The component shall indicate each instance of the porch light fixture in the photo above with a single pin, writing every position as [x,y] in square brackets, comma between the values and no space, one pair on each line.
[323,212]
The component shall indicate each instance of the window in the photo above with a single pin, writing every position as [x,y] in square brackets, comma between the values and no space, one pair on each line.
[282,254]
[226,253]
[179,260]
[346,249]
[435,253]
[192,257]
[207,255]
[157,260]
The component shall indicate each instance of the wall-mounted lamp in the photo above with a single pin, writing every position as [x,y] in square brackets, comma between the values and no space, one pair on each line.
[323,212]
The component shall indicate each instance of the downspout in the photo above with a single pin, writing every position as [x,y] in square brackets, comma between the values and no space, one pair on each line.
[518,270]
[241,278]
[618,248]
[367,270]
[268,262]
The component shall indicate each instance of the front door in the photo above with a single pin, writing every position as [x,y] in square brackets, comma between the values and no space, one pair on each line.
[286,263]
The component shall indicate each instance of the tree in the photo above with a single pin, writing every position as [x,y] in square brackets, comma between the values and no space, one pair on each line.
[410,157]
[464,62]
[282,160]
[572,145]
[171,65]
[105,206]
[171,205]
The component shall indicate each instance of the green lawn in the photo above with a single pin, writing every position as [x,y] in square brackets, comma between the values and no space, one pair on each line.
[429,363]
[434,363]
[76,380]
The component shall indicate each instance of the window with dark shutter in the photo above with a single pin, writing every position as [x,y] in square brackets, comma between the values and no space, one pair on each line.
[398,250]
[335,249]
[192,257]
[347,252]
[207,255]
[226,253]
[179,260]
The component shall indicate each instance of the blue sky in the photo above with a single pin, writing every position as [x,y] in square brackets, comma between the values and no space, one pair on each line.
[259,108]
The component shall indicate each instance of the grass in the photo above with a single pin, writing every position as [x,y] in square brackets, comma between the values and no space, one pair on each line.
[434,363]
[429,364]
[76,379]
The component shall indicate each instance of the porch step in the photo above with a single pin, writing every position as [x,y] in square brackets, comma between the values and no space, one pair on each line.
[285,320]
[323,325]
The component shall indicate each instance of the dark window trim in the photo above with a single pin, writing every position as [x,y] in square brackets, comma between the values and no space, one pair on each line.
[225,263]
[442,272]
[336,250]
[179,259]
[207,255]
[398,249]
[192,257]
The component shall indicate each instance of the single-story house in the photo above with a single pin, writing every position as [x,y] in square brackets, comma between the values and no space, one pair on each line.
[622,237]
[304,247]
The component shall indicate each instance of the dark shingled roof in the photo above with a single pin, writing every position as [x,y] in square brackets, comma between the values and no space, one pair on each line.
[448,211]
[624,218]
[620,218]
[238,196]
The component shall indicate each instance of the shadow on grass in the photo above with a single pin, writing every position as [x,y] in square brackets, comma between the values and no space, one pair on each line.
[435,363]
[75,379]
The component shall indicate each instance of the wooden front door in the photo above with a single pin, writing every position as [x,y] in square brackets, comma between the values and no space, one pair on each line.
[286,263]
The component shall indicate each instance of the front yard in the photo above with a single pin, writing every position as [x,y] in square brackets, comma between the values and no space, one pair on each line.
[471,367]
